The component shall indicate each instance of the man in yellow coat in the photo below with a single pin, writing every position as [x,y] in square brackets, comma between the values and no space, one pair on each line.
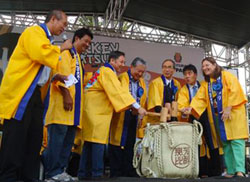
[211,167]
[124,125]
[103,94]
[20,98]
[163,89]
[64,109]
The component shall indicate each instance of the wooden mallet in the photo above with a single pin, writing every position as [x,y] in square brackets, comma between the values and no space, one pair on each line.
[163,115]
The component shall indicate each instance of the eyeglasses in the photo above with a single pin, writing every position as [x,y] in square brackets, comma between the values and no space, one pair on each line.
[167,67]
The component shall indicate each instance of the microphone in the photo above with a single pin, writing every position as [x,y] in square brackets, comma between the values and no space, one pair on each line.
[64,37]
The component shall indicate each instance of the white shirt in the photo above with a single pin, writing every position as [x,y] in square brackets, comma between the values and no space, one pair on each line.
[168,82]
[191,89]
[46,72]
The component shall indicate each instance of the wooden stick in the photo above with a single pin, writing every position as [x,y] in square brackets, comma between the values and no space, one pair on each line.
[174,109]
[153,114]
[164,114]
[168,106]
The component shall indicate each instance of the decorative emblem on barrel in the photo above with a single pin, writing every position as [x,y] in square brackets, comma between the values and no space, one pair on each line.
[181,155]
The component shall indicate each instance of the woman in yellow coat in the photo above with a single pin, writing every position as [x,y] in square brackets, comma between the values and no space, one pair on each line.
[224,100]
[103,94]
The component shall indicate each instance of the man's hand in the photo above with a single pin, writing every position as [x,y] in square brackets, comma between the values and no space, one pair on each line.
[186,111]
[66,45]
[68,103]
[142,112]
[134,111]
[226,113]
[67,99]
[59,77]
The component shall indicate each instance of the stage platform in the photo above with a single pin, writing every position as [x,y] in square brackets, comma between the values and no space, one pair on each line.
[210,179]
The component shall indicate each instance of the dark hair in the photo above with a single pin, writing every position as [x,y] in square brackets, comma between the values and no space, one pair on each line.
[217,71]
[170,60]
[57,13]
[81,32]
[138,60]
[189,67]
[115,55]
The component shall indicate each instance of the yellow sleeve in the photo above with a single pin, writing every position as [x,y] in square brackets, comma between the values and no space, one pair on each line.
[66,66]
[154,98]
[236,95]
[183,102]
[120,98]
[39,48]
[199,103]
[144,96]
[73,66]
[124,79]
[87,76]
[183,98]
[177,83]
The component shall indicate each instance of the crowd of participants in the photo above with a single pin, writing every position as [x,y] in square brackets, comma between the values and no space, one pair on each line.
[104,114]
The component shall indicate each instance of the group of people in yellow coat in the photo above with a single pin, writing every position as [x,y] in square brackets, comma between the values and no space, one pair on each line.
[224,99]
[103,95]
[109,109]
[210,161]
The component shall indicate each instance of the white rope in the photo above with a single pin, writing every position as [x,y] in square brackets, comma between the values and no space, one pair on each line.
[198,127]
[136,157]
[196,140]
[158,153]
[167,127]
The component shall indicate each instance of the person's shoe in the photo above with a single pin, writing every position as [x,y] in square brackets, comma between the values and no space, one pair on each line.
[226,176]
[204,176]
[74,178]
[49,180]
[70,177]
[63,177]
[239,175]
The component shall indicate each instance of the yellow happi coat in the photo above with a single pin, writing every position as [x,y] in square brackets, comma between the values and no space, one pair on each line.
[56,114]
[232,95]
[117,122]
[78,142]
[102,95]
[184,102]
[155,95]
[32,51]
[155,92]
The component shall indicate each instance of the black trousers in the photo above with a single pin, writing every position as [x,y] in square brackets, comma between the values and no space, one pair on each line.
[121,159]
[214,165]
[21,143]
[73,165]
